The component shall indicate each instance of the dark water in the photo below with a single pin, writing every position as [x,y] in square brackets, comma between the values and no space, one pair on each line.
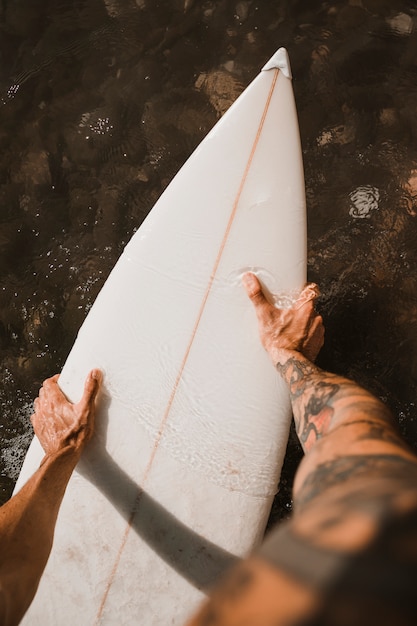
[101,103]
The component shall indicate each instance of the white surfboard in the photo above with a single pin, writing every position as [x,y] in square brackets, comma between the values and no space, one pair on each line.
[193,421]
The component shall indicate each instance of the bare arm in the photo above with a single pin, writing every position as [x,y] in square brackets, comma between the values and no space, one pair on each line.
[333,415]
[356,482]
[27,520]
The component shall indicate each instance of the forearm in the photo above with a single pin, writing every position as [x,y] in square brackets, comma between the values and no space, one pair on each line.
[27,524]
[335,420]
[322,402]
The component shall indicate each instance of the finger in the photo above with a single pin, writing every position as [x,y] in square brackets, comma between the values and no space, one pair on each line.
[317,327]
[52,379]
[310,293]
[91,387]
[315,339]
[34,418]
[254,289]
[49,382]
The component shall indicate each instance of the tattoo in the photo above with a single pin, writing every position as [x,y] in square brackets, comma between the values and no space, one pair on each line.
[310,396]
[298,374]
[374,409]
[381,575]
[377,430]
[361,535]
[317,414]
[375,576]
[396,473]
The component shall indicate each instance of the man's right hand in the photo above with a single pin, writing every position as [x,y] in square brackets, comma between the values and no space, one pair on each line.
[298,328]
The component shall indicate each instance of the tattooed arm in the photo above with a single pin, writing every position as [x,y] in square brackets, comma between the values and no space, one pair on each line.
[347,554]
[333,416]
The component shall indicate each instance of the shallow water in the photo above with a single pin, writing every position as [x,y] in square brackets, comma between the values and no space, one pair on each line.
[101,103]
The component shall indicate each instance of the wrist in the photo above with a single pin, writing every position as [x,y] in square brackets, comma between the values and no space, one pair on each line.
[70,452]
[280,356]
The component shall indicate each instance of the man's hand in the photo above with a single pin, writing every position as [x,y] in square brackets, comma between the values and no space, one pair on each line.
[59,423]
[298,328]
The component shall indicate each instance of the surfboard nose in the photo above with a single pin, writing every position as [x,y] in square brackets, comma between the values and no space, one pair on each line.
[281,61]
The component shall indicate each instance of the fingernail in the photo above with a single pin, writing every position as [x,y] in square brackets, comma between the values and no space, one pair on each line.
[247,279]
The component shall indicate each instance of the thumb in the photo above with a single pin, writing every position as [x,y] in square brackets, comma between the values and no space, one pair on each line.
[91,387]
[254,289]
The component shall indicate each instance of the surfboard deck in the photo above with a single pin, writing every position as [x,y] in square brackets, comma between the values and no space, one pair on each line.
[193,421]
